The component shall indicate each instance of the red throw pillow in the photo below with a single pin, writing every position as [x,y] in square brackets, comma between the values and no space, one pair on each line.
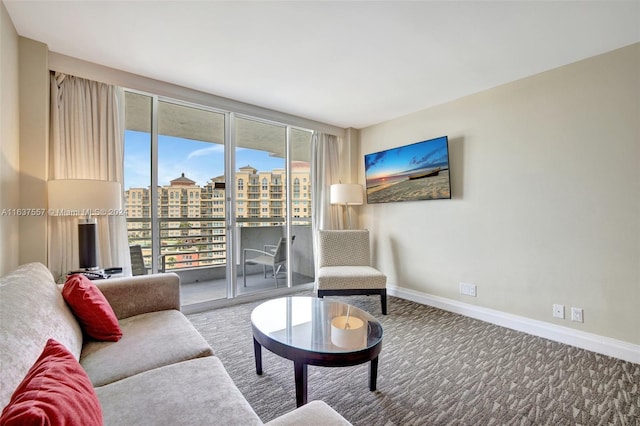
[55,391]
[92,310]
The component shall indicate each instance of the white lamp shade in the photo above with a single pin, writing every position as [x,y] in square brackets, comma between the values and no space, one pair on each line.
[83,195]
[346,193]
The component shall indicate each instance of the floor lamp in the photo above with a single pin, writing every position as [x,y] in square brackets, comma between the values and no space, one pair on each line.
[347,194]
[85,198]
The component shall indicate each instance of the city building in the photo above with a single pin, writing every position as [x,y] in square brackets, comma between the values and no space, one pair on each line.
[192,217]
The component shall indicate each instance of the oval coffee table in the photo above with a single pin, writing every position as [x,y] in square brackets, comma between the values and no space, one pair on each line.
[300,329]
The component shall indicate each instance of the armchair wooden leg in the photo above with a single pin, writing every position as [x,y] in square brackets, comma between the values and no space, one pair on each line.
[382,293]
[383,301]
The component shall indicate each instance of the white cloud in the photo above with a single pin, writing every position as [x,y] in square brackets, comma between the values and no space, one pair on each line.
[206,151]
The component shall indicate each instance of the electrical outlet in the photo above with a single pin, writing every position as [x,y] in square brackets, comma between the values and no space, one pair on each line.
[558,311]
[468,289]
[576,314]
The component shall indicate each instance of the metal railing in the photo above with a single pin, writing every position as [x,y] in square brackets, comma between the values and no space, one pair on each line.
[192,242]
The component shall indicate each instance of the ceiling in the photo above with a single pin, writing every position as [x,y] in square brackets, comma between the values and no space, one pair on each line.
[348,63]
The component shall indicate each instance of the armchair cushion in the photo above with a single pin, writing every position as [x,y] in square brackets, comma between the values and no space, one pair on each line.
[349,277]
[344,248]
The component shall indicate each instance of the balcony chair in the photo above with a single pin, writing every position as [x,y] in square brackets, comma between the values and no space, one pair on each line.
[274,256]
[272,249]
[137,261]
[344,264]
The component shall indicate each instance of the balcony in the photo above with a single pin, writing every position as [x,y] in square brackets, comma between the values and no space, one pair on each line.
[196,249]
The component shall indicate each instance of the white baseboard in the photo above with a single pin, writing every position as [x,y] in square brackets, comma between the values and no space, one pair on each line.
[592,342]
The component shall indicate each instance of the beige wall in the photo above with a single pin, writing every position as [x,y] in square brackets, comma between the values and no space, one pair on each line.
[34,139]
[9,143]
[24,117]
[546,198]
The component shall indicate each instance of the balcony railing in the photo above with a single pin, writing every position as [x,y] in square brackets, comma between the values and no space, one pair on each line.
[192,242]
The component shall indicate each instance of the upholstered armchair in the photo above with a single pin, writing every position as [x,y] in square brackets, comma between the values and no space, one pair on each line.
[344,266]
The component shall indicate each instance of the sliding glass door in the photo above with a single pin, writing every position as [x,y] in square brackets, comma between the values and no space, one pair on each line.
[174,193]
[137,180]
[222,200]
[300,200]
[261,188]
[190,200]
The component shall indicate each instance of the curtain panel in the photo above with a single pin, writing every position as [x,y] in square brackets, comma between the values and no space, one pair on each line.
[86,142]
[325,159]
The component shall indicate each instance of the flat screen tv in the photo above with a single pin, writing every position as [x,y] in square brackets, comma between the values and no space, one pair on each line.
[419,171]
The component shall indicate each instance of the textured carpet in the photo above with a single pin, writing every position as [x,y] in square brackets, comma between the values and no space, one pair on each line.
[438,368]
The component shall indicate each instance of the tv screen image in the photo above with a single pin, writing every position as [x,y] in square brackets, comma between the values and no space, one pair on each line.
[419,171]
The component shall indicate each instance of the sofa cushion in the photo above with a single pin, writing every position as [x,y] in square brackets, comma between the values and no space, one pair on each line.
[195,392]
[131,296]
[32,311]
[91,309]
[315,413]
[148,341]
[55,391]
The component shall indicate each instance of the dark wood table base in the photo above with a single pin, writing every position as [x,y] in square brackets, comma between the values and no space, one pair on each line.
[275,329]
[301,374]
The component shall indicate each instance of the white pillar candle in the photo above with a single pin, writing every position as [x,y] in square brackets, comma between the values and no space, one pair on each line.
[351,336]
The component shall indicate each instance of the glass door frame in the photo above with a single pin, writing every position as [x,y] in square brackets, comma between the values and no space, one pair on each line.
[230,145]
[230,176]
[230,199]
[154,133]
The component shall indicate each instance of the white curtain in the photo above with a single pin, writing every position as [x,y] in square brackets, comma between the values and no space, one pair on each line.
[87,142]
[325,151]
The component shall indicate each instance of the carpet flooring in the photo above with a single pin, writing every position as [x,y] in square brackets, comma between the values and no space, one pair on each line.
[437,368]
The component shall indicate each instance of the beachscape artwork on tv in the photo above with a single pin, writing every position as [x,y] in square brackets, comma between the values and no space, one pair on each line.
[419,171]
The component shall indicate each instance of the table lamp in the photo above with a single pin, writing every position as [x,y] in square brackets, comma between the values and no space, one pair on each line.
[347,194]
[85,198]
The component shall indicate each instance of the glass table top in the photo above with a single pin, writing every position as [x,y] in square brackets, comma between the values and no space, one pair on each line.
[317,325]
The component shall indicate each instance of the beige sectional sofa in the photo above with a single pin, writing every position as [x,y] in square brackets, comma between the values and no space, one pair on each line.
[162,371]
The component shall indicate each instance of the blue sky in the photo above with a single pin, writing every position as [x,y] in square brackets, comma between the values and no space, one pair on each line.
[397,160]
[199,161]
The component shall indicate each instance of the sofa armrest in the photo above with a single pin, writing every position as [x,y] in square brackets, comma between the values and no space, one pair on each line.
[311,414]
[129,296]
